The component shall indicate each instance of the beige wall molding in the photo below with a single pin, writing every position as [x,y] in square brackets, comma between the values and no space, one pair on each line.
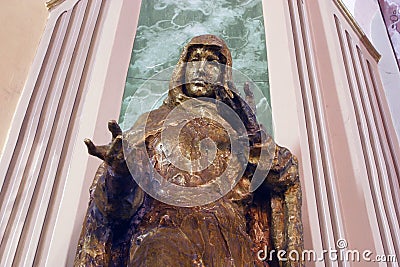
[52,3]
[43,134]
[357,29]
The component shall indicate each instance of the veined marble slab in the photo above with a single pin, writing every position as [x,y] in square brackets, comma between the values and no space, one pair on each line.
[165,26]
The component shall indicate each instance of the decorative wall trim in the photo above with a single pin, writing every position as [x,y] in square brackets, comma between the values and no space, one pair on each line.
[357,29]
[52,3]
[329,213]
[378,175]
[349,147]
[290,120]
[106,70]
[43,133]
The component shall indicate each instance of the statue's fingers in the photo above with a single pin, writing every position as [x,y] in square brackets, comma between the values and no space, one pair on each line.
[115,150]
[246,88]
[115,156]
[249,96]
[232,88]
[114,128]
[219,93]
[94,150]
[224,97]
[246,114]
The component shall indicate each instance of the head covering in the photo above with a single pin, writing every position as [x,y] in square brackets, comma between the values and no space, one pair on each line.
[177,81]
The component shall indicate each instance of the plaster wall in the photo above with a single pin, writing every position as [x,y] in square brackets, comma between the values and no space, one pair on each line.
[22,24]
[355,131]
[368,16]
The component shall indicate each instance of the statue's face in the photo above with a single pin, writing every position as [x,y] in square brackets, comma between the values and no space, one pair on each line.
[203,72]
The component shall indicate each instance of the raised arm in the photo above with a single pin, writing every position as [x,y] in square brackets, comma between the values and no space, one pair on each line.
[114,200]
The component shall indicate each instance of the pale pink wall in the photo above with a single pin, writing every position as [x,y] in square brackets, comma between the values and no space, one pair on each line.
[22,24]
[368,16]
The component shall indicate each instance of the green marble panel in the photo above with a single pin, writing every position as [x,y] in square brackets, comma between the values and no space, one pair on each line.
[165,26]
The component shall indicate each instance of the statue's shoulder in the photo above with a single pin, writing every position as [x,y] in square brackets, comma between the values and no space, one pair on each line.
[148,123]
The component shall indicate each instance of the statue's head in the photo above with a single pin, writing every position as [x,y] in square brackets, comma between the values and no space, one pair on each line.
[205,63]
[204,71]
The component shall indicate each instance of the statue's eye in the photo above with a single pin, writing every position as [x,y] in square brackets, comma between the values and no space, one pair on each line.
[213,62]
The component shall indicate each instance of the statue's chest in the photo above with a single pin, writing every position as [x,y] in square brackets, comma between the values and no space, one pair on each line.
[190,153]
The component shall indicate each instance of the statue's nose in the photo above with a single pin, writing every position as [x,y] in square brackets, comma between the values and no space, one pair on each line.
[202,67]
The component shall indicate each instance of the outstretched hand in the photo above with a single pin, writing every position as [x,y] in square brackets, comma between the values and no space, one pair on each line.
[242,108]
[112,154]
